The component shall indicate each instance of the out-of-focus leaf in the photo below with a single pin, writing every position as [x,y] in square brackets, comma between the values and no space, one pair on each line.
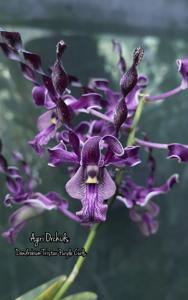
[34,294]
[82,296]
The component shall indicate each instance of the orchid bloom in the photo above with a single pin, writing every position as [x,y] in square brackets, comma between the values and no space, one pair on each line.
[92,183]
[31,204]
[137,198]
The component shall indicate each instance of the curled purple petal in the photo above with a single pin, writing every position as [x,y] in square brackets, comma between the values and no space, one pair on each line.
[129,158]
[42,138]
[114,144]
[87,101]
[59,155]
[99,83]
[178,151]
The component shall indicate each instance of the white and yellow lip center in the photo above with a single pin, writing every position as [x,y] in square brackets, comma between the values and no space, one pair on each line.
[92,173]
[54,120]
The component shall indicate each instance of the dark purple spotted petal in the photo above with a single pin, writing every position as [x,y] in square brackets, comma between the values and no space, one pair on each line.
[178,151]
[120,114]
[33,60]
[59,155]
[49,86]
[28,73]
[63,111]
[12,38]
[129,79]
[132,98]
[183,69]
[59,78]
[138,55]
[10,52]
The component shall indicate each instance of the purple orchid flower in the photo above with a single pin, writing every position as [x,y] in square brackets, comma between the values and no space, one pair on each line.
[92,183]
[146,218]
[32,203]
[134,194]
[138,198]
[49,122]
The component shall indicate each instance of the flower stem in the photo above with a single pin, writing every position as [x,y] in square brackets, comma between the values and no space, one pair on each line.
[100,115]
[131,137]
[78,264]
[151,144]
[164,95]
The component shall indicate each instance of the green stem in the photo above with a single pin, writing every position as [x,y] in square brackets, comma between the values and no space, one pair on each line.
[51,291]
[78,264]
[131,137]
[55,288]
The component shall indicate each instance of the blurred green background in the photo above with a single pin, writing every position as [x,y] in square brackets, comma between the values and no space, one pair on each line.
[122,263]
